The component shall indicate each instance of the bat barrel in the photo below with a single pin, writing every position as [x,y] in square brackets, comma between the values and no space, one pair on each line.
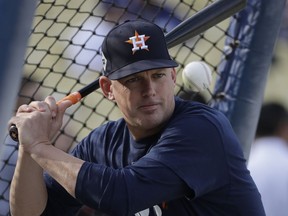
[89,88]
[203,20]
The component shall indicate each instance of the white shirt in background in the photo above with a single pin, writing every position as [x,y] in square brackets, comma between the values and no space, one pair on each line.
[268,164]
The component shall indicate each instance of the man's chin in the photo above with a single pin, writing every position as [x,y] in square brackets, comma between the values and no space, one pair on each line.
[151,122]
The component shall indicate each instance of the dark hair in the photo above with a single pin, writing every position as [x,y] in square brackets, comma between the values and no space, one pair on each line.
[272,116]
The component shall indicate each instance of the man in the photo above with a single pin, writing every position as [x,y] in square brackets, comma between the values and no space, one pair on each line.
[268,161]
[166,156]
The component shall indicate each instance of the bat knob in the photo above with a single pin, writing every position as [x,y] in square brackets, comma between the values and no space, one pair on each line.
[13,132]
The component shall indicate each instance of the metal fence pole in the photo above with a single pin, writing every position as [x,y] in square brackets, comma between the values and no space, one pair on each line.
[15,24]
[244,71]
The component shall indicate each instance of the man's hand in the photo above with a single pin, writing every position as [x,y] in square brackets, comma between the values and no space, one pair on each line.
[38,122]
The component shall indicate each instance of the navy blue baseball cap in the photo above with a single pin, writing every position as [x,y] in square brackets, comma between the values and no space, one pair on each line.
[132,47]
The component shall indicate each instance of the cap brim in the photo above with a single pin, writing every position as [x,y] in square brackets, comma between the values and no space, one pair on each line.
[141,66]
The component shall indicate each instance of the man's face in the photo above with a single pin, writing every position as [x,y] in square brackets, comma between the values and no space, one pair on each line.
[146,99]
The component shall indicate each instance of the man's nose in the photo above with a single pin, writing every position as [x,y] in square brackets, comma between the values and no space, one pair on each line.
[148,87]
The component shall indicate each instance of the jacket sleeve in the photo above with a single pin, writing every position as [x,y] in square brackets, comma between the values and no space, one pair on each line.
[128,190]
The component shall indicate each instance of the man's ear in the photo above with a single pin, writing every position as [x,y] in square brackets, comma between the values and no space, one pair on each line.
[105,85]
[174,75]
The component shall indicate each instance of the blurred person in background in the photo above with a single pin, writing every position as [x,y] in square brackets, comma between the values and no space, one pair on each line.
[268,161]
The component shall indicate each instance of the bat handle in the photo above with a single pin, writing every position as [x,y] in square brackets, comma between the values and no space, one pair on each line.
[13,132]
[74,97]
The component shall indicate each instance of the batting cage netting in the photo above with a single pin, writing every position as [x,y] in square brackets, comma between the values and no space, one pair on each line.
[63,55]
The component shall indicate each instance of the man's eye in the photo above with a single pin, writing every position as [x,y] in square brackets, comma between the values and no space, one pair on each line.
[131,80]
[159,75]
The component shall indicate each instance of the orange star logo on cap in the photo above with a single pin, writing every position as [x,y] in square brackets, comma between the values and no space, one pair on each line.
[138,42]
